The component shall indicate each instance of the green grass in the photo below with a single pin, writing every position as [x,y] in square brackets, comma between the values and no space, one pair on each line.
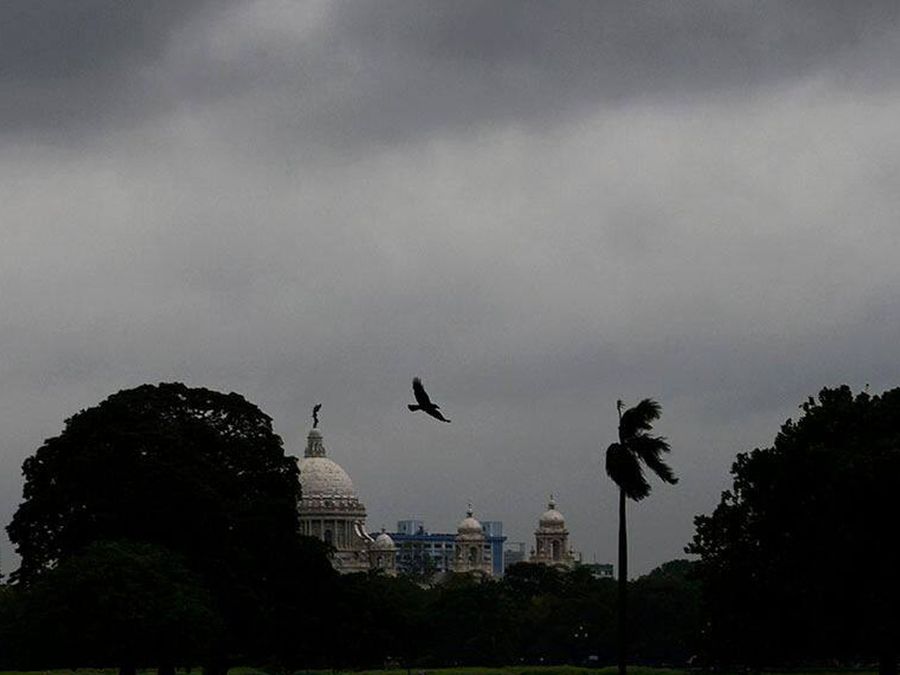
[552,670]
[519,670]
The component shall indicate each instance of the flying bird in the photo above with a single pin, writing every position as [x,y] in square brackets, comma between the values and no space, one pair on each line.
[424,403]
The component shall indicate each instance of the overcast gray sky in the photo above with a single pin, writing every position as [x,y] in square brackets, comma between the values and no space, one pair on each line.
[537,207]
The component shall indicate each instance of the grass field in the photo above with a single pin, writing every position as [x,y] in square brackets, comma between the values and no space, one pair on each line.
[509,670]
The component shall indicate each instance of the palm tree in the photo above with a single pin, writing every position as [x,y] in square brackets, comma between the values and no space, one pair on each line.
[623,464]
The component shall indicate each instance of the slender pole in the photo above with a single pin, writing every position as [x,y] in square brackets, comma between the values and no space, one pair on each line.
[623,584]
[623,566]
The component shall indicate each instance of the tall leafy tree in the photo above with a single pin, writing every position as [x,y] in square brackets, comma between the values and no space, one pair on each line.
[198,472]
[625,462]
[799,562]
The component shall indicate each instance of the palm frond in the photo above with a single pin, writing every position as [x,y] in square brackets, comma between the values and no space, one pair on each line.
[626,472]
[650,450]
[639,418]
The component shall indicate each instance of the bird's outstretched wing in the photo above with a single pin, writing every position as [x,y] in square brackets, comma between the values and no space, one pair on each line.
[420,394]
[436,414]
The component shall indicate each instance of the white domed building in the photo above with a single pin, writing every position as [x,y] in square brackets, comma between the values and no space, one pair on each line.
[472,554]
[383,554]
[551,539]
[331,511]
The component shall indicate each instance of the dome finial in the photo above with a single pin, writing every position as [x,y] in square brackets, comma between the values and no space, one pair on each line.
[552,503]
[469,510]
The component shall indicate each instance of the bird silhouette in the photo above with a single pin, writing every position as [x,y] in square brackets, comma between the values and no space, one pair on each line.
[424,403]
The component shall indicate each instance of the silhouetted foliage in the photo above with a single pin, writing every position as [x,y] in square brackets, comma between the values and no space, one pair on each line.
[195,471]
[473,621]
[535,615]
[376,618]
[566,617]
[114,603]
[798,561]
[665,620]
[529,580]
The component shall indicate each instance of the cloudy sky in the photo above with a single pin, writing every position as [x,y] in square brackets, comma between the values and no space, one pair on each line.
[537,207]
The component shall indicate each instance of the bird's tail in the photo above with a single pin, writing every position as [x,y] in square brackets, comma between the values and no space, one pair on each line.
[413,407]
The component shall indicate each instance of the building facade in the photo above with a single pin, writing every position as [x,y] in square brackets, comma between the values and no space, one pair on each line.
[472,552]
[551,540]
[427,554]
[330,511]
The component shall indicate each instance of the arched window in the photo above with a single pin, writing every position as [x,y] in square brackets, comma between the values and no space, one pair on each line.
[473,554]
[556,549]
[328,537]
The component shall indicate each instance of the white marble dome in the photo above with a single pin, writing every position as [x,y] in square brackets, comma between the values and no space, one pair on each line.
[469,525]
[323,478]
[551,519]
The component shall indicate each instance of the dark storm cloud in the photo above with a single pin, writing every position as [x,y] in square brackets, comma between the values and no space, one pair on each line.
[389,71]
[397,70]
[422,66]
[70,66]
[539,208]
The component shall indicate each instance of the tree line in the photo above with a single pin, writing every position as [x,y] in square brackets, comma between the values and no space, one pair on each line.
[159,529]
[136,606]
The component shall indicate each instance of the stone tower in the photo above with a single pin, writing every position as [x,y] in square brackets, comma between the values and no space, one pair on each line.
[551,539]
[470,554]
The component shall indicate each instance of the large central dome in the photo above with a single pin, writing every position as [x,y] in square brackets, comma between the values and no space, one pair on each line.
[322,478]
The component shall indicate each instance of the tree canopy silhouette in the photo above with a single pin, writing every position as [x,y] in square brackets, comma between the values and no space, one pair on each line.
[624,464]
[798,561]
[198,472]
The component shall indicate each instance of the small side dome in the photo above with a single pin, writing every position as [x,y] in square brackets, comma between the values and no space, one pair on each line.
[469,525]
[383,542]
[552,519]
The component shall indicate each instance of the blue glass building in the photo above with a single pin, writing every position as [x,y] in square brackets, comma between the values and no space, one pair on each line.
[427,553]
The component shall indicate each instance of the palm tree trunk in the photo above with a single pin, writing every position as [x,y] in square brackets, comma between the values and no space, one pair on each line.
[623,584]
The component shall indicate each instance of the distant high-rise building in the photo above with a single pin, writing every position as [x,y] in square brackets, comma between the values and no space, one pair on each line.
[493,534]
[410,526]
[473,547]
[514,553]
[599,570]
